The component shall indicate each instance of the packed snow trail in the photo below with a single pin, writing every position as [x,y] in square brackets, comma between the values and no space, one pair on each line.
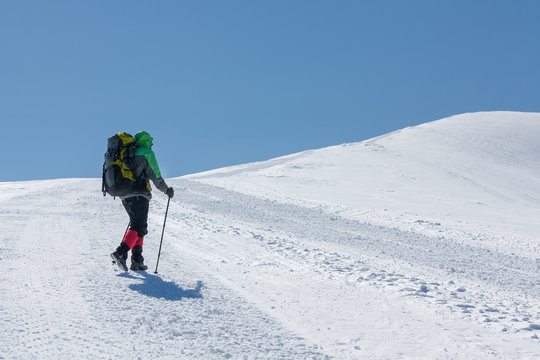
[508,271]
[327,278]
[62,298]
[247,277]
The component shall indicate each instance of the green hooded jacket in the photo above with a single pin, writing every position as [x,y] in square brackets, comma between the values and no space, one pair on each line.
[144,143]
[145,167]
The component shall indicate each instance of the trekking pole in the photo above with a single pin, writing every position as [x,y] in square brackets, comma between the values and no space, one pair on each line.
[161,242]
[125,232]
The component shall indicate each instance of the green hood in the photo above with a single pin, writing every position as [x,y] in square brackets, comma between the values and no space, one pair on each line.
[144,139]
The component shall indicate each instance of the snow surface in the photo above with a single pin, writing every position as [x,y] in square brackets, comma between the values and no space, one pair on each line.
[418,244]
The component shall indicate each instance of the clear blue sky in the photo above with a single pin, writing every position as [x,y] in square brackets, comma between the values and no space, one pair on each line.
[219,83]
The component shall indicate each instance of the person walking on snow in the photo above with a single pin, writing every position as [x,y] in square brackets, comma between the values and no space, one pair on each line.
[136,203]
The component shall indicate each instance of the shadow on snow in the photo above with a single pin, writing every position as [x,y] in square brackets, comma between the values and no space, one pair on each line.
[155,286]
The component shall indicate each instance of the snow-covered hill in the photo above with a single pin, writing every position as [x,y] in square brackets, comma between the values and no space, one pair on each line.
[469,173]
[418,244]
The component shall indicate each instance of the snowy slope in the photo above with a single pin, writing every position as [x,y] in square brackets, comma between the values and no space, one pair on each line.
[417,244]
[471,173]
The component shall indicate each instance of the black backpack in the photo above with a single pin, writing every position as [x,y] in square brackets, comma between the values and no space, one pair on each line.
[118,180]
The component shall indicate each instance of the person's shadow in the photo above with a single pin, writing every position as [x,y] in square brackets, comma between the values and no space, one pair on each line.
[155,286]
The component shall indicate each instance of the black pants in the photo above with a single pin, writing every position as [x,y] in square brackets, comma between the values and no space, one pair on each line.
[137,209]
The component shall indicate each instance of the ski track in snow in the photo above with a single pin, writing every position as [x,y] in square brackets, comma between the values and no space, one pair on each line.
[508,271]
[246,277]
[487,288]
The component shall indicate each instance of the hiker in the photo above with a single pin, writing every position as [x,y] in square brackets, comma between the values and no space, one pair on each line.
[144,168]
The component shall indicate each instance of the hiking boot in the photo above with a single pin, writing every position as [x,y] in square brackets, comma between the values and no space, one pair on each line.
[137,260]
[120,256]
[135,266]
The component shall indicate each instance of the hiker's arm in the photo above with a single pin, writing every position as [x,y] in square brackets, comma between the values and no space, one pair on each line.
[160,183]
[153,172]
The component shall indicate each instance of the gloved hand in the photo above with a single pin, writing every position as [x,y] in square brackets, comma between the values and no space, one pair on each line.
[170,192]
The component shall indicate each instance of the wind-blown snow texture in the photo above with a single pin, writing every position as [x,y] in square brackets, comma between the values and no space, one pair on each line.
[418,244]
